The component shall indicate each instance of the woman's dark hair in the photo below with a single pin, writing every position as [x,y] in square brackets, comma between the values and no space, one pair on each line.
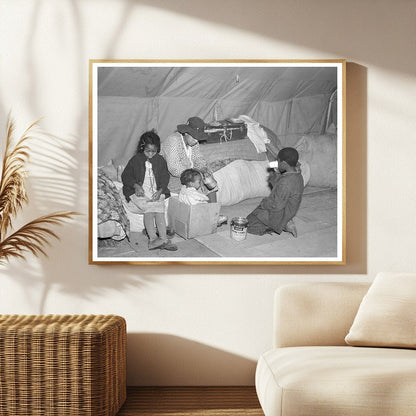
[189,175]
[148,137]
[289,155]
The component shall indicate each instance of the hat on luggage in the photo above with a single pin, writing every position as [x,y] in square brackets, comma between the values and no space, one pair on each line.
[195,127]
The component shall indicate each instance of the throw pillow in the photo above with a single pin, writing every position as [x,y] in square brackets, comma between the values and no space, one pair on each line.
[387,314]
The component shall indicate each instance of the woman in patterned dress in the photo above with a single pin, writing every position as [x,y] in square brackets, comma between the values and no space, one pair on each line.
[181,151]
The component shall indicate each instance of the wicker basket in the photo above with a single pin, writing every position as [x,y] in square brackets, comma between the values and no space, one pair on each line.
[62,365]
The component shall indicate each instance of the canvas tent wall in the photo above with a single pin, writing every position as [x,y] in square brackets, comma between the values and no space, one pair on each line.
[291,101]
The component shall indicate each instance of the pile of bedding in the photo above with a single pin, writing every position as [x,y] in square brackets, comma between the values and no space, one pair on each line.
[239,168]
[320,152]
[219,155]
[112,221]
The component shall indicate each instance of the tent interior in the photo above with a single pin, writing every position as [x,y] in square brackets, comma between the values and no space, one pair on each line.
[292,105]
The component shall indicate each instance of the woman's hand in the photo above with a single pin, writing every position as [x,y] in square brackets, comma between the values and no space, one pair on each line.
[138,190]
[156,195]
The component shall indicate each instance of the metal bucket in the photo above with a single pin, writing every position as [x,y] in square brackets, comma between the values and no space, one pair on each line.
[238,228]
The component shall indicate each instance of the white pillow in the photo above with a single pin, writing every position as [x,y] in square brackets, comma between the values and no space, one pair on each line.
[242,179]
[387,314]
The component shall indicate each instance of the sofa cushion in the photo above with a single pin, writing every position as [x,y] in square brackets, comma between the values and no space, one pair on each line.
[315,313]
[304,381]
[387,314]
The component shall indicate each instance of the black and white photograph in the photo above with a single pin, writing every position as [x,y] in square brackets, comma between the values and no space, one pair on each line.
[217,162]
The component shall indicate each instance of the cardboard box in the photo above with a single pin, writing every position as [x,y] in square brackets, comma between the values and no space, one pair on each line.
[190,221]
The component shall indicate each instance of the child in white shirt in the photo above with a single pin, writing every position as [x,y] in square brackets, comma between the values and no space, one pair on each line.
[190,193]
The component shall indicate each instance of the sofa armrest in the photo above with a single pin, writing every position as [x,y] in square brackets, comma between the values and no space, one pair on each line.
[308,314]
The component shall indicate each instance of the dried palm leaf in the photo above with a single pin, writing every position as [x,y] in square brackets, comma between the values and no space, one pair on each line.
[12,183]
[33,237]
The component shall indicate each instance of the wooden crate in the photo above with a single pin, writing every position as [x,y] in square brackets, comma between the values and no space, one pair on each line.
[71,365]
[190,221]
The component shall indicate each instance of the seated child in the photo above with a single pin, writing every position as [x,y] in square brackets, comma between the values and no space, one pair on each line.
[145,182]
[190,193]
[275,212]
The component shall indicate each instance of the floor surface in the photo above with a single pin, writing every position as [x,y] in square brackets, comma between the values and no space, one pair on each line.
[191,401]
[316,223]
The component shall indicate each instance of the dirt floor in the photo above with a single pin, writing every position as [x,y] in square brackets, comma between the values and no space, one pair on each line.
[316,223]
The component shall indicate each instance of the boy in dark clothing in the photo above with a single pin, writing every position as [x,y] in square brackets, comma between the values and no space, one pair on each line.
[275,212]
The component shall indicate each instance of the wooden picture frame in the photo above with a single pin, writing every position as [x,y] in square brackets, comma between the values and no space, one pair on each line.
[251,110]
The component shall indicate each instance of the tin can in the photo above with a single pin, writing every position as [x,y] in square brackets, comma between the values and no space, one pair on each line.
[210,182]
[238,228]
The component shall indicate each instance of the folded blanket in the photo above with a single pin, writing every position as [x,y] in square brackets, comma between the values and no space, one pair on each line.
[255,133]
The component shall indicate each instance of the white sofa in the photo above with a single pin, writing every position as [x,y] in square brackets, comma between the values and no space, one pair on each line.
[311,370]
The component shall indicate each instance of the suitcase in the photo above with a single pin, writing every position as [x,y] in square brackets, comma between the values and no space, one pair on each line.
[225,131]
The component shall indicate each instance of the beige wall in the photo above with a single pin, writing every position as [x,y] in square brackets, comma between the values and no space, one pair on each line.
[204,325]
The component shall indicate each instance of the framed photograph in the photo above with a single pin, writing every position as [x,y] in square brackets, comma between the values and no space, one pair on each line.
[217,162]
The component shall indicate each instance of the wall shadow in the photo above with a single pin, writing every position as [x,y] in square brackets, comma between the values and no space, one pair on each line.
[333,27]
[54,186]
[168,360]
[356,165]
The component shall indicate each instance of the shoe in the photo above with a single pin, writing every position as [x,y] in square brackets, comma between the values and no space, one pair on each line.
[156,243]
[169,246]
[170,232]
[222,219]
